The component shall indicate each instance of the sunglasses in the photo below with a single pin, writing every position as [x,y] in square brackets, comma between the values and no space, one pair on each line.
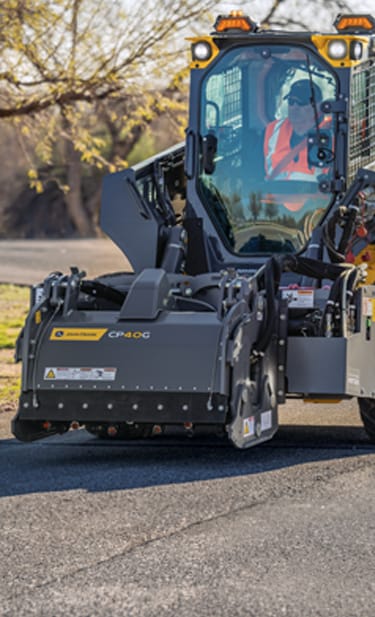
[298,102]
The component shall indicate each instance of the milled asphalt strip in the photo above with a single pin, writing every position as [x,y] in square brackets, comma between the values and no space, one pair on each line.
[277,444]
[196,524]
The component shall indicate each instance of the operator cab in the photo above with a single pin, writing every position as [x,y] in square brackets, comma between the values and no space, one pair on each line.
[246,91]
[279,124]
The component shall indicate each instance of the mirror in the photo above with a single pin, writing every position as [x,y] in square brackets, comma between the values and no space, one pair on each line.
[209,149]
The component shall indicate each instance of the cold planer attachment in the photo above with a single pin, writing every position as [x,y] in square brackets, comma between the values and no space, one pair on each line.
[129,354]
[176,350]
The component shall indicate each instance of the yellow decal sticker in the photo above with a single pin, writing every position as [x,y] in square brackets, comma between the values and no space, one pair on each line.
[249,426]
[77,334]
[50,374]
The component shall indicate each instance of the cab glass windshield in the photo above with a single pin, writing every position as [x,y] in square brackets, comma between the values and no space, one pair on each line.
[267,149]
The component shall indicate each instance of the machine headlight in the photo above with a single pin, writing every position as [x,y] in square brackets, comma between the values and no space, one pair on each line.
[337,49]
[356,49]
[201,51]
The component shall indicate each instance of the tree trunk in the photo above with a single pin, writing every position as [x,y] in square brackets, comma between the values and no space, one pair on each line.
[76,210]
[93,206]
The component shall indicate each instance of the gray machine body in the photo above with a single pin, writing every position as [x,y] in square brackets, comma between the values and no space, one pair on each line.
[340,366]
[162,347]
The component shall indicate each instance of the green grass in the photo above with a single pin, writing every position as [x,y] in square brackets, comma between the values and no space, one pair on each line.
[14,305]
[9,391]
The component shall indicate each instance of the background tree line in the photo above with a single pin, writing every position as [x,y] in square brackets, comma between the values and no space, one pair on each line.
[89,86]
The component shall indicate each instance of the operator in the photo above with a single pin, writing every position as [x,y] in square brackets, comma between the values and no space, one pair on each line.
[285,144]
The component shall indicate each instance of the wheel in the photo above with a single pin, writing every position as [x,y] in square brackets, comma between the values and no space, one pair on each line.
[367,411]
[120,431]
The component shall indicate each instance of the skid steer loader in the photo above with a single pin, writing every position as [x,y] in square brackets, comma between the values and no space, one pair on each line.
[248,287]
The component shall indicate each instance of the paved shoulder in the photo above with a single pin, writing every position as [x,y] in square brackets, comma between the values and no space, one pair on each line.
[25,262]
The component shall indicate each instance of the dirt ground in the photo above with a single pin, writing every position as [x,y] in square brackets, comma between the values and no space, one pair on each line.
[8,371]
[5,420]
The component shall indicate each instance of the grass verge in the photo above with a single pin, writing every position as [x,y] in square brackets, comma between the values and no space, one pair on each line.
[14,305]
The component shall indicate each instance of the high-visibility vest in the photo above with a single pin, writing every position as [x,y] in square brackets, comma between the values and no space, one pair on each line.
[276,150]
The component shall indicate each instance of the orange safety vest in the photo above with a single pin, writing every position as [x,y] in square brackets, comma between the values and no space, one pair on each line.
[277,149]
[284,163]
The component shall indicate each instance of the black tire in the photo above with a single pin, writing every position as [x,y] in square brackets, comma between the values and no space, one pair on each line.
[124,431]
[367,411]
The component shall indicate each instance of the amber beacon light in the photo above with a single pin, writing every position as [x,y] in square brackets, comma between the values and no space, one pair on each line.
[355,24]
[236,20]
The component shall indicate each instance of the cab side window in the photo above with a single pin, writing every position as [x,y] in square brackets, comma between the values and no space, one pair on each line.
[362,119]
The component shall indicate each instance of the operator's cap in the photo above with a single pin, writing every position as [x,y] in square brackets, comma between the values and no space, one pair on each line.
[301,92]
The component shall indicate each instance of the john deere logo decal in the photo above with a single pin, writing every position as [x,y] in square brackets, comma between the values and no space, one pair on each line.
[77,334]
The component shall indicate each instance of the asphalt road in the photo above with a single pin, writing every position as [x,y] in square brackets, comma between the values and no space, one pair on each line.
[26,262]
[180,527]
[189,527]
